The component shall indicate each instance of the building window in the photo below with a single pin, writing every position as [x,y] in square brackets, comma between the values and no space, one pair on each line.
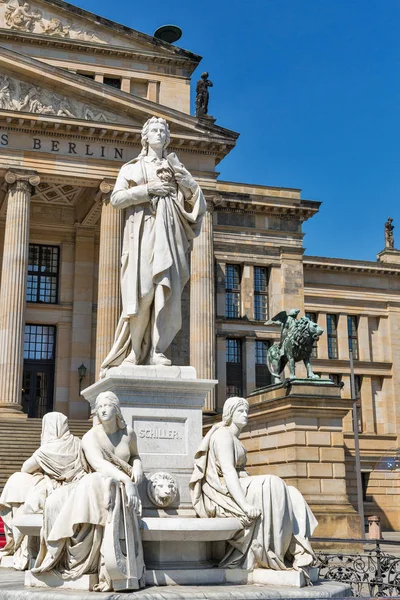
[234,371]
[43,265]
[335,378]
[39,342]
[263,376]
[352,324]
[39,368]
[313,317]
[87,75]
[260,293]
[232,291]
[332,335]
[114,82]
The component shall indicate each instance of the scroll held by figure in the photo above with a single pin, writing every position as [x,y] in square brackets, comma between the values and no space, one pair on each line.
[164,208]
[277,521]
[298,337]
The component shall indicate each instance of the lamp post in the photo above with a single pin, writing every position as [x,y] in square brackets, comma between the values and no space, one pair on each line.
[357,447]
[82,370]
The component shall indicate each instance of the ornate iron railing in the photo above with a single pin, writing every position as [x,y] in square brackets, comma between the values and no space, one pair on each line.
[373,573]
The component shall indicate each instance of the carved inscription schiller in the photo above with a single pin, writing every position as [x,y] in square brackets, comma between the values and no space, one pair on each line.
[160,436]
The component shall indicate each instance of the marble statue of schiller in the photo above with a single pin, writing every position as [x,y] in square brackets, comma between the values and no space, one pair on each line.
[164,208]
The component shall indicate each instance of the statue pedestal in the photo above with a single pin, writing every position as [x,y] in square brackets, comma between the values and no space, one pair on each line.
[295,432]
[164,407]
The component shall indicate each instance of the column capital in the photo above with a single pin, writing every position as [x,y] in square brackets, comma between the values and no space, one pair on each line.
[212,202]
[23,180]
[106,187]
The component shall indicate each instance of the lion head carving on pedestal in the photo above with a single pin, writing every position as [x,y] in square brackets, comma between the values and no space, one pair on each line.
[162,489]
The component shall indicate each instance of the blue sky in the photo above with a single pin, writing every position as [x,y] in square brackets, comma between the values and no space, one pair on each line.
[313,87]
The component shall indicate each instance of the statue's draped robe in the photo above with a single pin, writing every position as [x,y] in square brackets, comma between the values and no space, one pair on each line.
[279,538]
[61,461]
[73,525]
[155,252]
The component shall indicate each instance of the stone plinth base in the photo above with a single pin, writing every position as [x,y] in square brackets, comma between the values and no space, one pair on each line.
[12,588]
[389,255]
[164,407]
[11,410]
[295,432]
[84,583]
[7,562]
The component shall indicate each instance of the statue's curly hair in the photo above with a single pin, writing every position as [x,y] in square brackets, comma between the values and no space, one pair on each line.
[145,134]
[231,404]
[115,402]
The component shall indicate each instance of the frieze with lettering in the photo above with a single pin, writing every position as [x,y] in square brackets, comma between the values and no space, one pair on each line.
[20,141]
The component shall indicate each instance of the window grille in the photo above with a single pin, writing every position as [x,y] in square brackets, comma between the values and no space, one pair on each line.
[313,317]
[352,324]
[260,293]
[234,369]
[232,291]
[332,335]
[43,267]
[39,342]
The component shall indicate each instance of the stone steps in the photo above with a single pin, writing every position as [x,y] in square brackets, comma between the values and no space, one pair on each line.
[19,438]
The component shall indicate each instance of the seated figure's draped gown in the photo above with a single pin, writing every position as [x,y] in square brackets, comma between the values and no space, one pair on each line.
[60,461]
[279,538]
[74,520]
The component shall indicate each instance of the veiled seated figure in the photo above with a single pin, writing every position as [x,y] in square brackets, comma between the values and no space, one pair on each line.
[277,521]
[82,522]
[58,461]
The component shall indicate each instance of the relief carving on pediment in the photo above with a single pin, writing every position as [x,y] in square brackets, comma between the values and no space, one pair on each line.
[24,97]
[24,17]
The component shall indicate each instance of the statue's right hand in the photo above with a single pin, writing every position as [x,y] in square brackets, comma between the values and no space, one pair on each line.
[251,511]
[132,496]
[157,188]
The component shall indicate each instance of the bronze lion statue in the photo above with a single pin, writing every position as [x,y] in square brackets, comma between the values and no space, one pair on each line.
[297,339]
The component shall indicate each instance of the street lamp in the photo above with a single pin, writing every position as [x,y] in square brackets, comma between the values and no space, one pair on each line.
[82,370]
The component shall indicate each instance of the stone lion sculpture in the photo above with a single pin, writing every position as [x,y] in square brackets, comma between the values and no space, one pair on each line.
[297,339]
[162,489]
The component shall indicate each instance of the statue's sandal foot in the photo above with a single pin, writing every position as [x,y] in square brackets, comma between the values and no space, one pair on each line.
[131,359]
[158,358]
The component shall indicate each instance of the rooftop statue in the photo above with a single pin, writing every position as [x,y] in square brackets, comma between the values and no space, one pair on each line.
[277,522]
[297,339]
[389,238]
[164,208]
[202,95]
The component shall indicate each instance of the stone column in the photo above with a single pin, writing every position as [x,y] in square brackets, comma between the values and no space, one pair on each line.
[202,305]
[343,338]
[13,287]
[109,293]
[250,365]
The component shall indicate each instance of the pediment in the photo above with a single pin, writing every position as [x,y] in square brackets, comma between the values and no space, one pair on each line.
[60,20]
[24,96]
[30,86]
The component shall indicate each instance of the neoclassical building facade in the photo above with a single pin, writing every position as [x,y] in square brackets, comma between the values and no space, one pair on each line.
[75,90]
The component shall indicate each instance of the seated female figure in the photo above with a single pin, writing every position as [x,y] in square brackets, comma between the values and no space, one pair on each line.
[277,522]
[58,461]
[75,516]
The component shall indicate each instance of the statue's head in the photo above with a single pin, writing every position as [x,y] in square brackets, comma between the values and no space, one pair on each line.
[107,407]
[204,75]
[162,489]
[230,406]
[155,133]
[54,427]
